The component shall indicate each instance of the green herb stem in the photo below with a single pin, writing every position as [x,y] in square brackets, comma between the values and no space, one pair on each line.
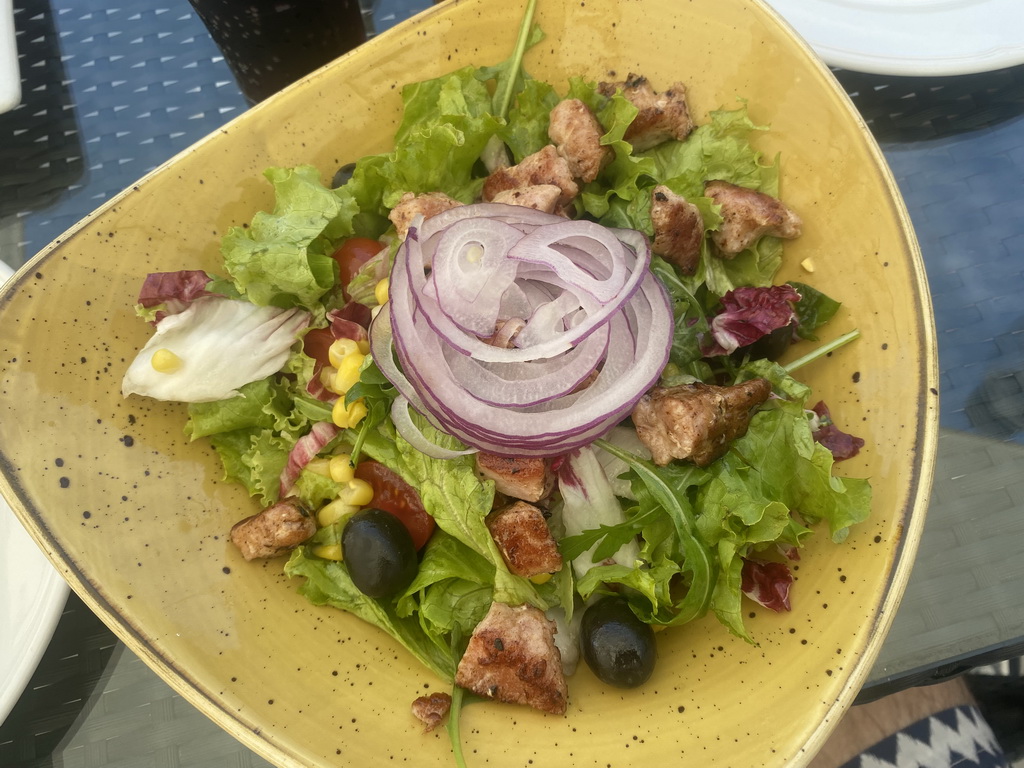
[821,351]
[454,735]
[517,59]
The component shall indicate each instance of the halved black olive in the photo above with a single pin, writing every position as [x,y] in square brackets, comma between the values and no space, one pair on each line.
[617,646]
[342,175]
[379,553]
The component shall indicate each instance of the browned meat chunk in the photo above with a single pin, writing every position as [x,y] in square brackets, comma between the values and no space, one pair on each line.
[524,540]
[696,421]
[543,167]
[748,215]
[678,229]
[512,657]
[576,134]
[410,206]
[540,197]
[661,116]
[530,479]
[273,531]
[432,709]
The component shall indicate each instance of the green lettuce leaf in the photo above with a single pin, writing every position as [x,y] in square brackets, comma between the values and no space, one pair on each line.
[328,583]
[455,497]
[283,257]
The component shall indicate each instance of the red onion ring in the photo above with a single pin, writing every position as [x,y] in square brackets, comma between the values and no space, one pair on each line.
[597,332]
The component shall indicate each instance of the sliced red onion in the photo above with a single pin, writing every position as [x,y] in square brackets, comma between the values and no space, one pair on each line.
[414,436]
[591,334]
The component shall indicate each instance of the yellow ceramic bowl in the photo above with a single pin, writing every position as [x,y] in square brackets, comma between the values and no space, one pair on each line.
[135,516]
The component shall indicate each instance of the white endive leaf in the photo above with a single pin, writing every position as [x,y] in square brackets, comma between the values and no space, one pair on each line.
[222,344]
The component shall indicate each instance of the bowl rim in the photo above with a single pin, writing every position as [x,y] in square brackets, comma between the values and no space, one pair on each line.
[911,517]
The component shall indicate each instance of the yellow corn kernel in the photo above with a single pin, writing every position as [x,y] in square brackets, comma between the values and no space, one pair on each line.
[364,346]
[340,349]
[348,417]
[165,361]
[328,551]
[541,578]
[320,467]
[335,512]
[348,373]
[357,492]
[807,264]
[327,374]
[341,468]
[380,291]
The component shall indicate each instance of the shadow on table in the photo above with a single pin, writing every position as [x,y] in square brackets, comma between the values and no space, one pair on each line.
[40,144]
[60,689]
[919,108]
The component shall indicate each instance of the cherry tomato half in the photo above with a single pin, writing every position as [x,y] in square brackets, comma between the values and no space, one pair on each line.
[392,494]
[352,254]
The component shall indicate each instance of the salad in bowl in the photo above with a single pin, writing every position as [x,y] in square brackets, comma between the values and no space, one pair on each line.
[510,391]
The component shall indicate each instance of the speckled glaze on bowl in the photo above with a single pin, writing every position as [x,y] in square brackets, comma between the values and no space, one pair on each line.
[135,516]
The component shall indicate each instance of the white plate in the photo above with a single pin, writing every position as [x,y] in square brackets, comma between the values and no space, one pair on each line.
[32,596]
[10,77]
[911,37]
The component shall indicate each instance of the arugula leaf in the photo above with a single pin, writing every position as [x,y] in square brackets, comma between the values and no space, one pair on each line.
[813,310]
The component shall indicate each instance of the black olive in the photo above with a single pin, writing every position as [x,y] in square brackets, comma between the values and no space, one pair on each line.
[379,553]
[617,646]
[342,175]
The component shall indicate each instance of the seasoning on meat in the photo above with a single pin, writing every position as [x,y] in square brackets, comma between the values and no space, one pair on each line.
[432,709]
[545,166]
[540,197]
[576,134]
[512,657]
[275,530]
[661,116]
[527,478]
[678,229]
[524,540]
[748,215]
[696,421]
[410,206]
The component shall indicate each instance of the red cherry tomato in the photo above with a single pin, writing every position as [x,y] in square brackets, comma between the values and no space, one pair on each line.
[316,343]
[352,254]
[392,494]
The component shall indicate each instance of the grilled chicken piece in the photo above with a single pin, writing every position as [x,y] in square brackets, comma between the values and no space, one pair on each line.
[524,540]
[540,197]
[274,531]
[576,134]
[429,204]
[545,166]
[529,478]
[661,116]
[696,421]
[678,229]
[748,215]
[432,709]
[512,657]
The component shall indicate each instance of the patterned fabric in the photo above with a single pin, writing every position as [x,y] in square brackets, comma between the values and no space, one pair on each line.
[958,737]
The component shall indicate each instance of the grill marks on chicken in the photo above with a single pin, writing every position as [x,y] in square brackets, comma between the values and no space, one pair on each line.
[747,216]
[660,117]
[512,657]
[696,421]
[274,531]
[678,229]
[524,540]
